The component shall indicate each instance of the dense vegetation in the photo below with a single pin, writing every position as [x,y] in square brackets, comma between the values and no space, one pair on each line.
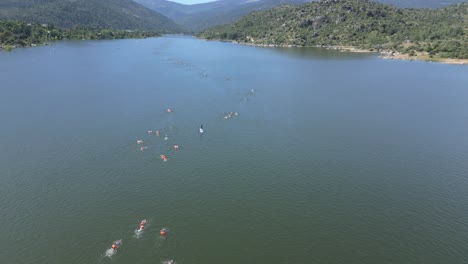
[421,3]
[359,23]
[115,14]
[21,34]
[201,16]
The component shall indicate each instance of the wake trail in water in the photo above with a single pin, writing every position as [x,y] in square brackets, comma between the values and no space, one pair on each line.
[110,252]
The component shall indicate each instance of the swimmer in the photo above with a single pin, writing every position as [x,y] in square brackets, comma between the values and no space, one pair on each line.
[176,147]
[229,115]
[163,157]
[157,133]
[116,244]
[142,224]
[143,148]
[150,132]
[139,142]
[170,262]
[163,232]
[166,137]
[169,110]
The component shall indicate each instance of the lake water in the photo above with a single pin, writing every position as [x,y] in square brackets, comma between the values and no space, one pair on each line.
[332,158]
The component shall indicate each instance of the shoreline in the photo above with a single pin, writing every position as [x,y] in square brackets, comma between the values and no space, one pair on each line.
[383,54]
[5,47]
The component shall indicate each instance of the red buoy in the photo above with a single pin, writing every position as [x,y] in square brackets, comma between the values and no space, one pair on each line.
[162,232]
[114,246]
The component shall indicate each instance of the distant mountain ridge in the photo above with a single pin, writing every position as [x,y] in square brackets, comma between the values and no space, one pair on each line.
[115,14]
[200,16]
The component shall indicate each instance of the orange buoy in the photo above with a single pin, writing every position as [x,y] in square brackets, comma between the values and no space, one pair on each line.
[162,232]
[114,246]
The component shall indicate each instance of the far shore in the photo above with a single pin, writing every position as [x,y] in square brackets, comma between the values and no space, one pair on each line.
[384,54]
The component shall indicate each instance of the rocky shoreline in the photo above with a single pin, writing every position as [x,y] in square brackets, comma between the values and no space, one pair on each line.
[384,54]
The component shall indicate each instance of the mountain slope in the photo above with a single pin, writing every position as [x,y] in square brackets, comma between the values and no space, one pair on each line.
[116,14]
[421,3]
[201,16]
[358,23]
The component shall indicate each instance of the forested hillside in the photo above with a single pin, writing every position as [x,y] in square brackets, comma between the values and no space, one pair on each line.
[20,34]
[115,14]
[358,23]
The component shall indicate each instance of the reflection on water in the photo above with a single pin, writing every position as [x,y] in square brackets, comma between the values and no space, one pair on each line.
[321,53]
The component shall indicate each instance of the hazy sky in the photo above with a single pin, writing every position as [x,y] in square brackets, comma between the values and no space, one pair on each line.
[191,2]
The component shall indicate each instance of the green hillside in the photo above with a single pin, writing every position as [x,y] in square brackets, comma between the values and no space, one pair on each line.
[358,23]
[115,14]
[421,3]
[201,16]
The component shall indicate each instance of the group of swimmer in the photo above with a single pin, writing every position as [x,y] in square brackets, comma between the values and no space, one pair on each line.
[157,133]
[118,243]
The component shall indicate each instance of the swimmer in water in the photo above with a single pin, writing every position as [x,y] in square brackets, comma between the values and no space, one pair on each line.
[230,115]
[143,148]
[176,147]
[201,129]
[150,132]
[139,142]
[116,244]
[157,133]
[170,262]
[163,232]
[163,157]
[168,110]
[142,224]
[166,137]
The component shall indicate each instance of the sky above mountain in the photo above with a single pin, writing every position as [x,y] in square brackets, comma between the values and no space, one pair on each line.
[191,2]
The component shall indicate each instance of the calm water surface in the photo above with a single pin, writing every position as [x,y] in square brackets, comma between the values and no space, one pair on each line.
[334,158]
